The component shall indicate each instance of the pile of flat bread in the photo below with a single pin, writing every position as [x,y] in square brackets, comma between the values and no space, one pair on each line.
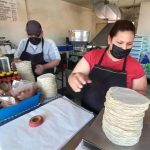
[47,85]
[24,69]
[123,115]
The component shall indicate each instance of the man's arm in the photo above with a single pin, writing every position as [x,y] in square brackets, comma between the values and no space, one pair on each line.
[51,64]
[40,68]
[19,50]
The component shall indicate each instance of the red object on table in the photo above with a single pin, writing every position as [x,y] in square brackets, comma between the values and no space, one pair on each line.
[36,121]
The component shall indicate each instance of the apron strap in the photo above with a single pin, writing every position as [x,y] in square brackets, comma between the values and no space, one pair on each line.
[101,59]
[26,45]
[42,43]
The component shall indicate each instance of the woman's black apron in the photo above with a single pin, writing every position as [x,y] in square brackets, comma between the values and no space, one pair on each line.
[35,59]
[102,79]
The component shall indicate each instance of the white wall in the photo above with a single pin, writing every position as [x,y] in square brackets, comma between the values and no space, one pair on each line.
[144,21]
[55,16]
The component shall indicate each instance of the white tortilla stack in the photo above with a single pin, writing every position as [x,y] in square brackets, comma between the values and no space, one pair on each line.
[25,70]
[123,115]
[47,85]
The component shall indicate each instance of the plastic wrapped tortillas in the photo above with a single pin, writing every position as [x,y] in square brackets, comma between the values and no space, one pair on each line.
[47,85]
[25,70]
[123,115]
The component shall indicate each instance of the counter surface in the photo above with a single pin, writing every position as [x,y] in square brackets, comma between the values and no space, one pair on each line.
[93,133]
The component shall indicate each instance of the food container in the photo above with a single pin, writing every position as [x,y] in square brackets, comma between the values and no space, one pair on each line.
[79,35]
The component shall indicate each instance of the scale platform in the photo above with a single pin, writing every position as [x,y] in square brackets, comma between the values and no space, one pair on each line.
[95,139]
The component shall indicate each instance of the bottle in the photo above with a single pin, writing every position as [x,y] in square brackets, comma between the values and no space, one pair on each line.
[1,78]
[4,79]
[8,77]
[16,75]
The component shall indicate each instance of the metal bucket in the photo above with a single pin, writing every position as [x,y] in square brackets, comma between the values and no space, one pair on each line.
[79,35]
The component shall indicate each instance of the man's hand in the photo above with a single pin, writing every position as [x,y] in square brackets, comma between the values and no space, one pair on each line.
[78,80]
[16,60]
[39,69]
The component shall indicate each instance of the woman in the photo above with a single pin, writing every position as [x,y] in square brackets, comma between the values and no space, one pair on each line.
[101,69]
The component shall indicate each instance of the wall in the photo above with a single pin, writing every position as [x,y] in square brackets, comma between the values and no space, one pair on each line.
[15,31]
[56,17]
[144,22]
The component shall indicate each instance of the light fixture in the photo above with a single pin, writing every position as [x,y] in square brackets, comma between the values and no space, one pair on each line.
[107,11]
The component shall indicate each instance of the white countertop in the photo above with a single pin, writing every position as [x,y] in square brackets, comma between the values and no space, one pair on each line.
[62,120]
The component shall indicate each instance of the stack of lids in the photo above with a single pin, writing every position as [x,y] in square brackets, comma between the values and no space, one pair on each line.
[47,85]
[123,115]
[25,70]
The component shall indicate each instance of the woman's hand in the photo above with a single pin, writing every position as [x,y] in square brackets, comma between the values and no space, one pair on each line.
[25,94]
[78,80]
[5,103]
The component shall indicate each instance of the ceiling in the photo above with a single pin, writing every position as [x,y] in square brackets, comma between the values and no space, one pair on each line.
[120,3]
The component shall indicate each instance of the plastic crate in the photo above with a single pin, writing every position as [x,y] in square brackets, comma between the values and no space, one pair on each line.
[24,105]
[65,48]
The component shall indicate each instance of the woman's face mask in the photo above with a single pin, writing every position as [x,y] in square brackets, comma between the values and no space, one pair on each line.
[121,44]
[35,40]
[118,52]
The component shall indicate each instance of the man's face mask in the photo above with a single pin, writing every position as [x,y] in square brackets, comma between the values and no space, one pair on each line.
[118,52]
[35,40]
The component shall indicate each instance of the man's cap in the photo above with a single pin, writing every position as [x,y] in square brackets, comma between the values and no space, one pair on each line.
[33,27]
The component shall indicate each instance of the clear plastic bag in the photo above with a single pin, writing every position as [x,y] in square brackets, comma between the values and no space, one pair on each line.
[23,89]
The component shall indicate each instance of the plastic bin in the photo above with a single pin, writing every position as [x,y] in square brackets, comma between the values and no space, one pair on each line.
[24,105]
[65,48]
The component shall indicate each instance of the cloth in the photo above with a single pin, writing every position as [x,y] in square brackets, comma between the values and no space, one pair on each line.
[102,79]
[50,50]
[134,69]
[62,120]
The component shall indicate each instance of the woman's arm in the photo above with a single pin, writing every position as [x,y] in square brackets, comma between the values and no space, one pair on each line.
[140,85]
[79,76]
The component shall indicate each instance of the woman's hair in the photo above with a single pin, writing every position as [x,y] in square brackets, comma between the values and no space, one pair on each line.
[122,25]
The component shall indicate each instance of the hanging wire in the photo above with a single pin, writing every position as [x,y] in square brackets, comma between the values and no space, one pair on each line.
[118,7]
[27,9]
[134,4]
[134,10]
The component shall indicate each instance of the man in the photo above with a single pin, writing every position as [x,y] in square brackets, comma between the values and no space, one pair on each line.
[42,53]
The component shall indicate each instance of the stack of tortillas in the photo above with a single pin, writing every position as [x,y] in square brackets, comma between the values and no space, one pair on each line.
[123,115]
[47,85]
[25,70]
